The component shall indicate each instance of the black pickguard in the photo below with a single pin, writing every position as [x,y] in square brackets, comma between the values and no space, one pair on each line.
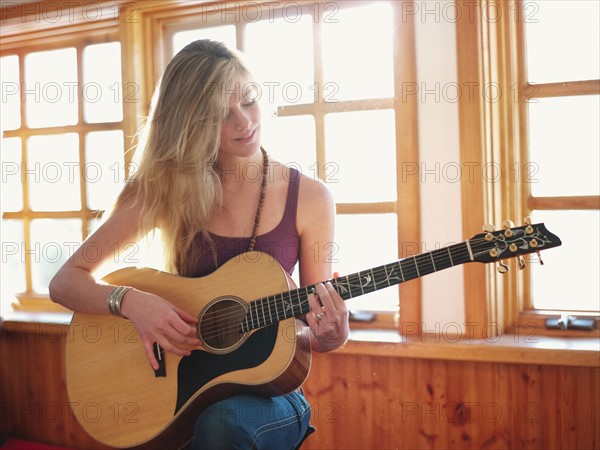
[200,367]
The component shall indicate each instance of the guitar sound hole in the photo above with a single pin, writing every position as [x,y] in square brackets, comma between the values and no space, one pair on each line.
[220,324]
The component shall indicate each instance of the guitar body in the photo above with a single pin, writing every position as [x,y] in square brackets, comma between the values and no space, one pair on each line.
[122,402]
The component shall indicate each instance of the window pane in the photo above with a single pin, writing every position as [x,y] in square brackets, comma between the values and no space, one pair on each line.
[12,184]
[10,111]
[13,259]
[102,86]
[280,54]
[569,277]
[104,168]
[361,146]
[562,40]
[564,143]
[53,172]
[382,248]
[51,88]
[53,241]
[292,141]
[357,52]
[225,34]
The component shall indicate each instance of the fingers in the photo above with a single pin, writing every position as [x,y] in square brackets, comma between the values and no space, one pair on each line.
[148,348]
[185,316]
[329,297]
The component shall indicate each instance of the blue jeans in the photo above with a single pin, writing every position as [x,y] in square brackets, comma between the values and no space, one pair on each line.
[252,421]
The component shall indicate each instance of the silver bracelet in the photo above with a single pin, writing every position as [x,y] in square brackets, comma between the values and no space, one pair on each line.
[114,299]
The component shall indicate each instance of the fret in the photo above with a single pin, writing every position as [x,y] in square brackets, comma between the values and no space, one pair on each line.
[401,273]
[269,309]
[354,283]
[461,253]
[450,255]
[282,307]
[371,280]
[392,276]
[262,308]
[252,306]
[286,299]
[440,259]
[257,314]
[366,282]
[343,288]
[416,266]
[409,272]
[299,301]
[387,275]
[432,261]
[301,295]
[307,292]
[287,307]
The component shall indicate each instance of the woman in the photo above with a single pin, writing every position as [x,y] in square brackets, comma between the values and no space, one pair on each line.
[206,183]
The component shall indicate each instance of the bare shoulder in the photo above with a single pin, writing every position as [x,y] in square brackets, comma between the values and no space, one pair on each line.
[314,192]
[314,201]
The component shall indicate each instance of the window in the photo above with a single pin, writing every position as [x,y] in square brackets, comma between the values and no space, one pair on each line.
[541,131]
[62,153]
[309,62]
[563,142]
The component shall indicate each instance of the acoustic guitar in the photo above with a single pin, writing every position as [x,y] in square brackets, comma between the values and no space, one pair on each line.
[251,339]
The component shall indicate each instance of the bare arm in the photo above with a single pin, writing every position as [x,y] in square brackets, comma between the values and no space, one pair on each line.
[316,216]
[156,319]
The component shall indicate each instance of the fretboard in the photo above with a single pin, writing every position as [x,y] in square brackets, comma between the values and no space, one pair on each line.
[294,303]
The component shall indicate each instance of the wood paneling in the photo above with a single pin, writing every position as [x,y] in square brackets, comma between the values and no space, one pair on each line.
[362,402]
[33,396]
[359,401]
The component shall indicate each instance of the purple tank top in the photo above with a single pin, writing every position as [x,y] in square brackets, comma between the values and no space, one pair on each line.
[282,242]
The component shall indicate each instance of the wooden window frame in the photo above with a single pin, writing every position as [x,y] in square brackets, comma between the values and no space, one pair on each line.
[159,21]
[492,51]
[25,32]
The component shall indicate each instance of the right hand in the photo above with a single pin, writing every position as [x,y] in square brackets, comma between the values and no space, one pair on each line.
[158,320]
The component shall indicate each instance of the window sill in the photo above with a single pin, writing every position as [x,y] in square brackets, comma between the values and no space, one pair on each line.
[509,348]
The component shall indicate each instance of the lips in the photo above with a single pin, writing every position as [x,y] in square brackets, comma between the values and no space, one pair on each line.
[248,138]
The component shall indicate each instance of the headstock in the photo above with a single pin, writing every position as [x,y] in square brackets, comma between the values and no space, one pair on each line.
[511,242]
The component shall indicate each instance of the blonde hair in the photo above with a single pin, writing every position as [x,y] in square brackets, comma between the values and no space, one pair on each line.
[176,183]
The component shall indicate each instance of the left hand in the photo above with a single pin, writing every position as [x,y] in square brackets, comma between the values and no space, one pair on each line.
[328,319]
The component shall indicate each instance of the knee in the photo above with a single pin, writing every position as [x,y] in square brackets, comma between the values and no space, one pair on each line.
[217,428]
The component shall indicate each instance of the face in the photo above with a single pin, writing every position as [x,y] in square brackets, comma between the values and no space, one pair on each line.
[240,133]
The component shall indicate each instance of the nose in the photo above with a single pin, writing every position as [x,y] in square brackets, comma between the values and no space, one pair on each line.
[242,118]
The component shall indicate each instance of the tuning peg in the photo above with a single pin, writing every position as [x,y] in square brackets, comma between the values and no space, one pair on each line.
[488,228]
[528,228]
[508,224]
[521,262]
[502,268]
[540,258]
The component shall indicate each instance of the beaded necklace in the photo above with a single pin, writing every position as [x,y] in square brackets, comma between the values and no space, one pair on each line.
[261,199]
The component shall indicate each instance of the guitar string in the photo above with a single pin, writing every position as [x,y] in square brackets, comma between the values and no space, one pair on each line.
[443,256]
[272,301]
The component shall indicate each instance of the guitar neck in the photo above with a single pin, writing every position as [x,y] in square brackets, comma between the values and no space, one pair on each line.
[294,303]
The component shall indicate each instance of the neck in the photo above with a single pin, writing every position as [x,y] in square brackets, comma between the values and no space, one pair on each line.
[238,170]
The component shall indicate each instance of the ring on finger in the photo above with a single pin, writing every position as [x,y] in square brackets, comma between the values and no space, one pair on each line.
[319,316]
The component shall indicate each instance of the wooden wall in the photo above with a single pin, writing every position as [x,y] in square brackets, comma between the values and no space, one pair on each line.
[390,402]
[359,401]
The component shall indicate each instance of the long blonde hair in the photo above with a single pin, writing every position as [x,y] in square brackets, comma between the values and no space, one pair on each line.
[176,183]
